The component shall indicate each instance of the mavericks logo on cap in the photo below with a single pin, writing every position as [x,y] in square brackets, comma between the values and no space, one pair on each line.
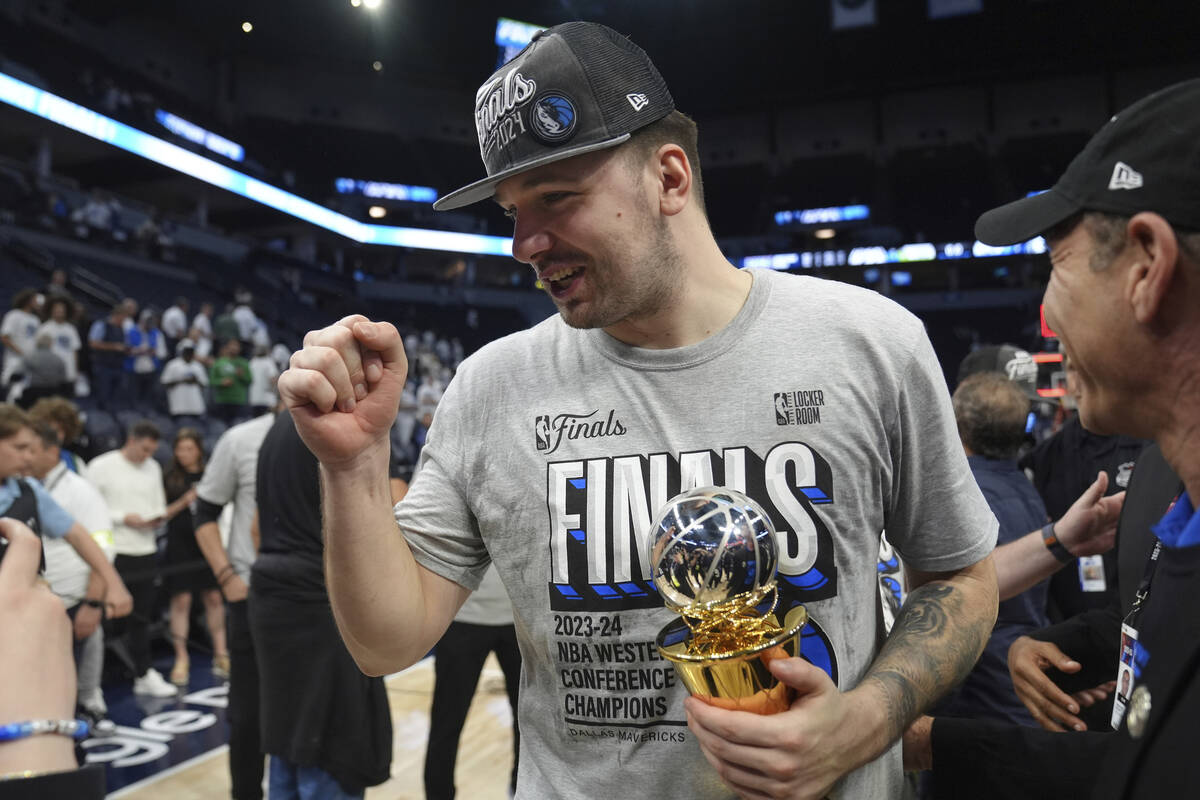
[552,118]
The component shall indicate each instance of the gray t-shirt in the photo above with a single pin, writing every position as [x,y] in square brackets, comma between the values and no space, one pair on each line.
[229,477]
[553,449]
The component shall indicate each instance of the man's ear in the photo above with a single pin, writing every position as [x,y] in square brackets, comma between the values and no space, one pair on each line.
[1155,259]
[674,179]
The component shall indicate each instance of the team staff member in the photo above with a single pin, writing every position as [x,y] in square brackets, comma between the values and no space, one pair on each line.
[1123,227]
[551,449]
[229,478]
[326,726]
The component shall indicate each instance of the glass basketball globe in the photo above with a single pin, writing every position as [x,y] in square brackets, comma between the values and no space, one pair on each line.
[709,545]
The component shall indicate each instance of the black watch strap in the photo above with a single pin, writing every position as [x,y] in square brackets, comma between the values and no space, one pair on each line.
[1055,546]
[93,603]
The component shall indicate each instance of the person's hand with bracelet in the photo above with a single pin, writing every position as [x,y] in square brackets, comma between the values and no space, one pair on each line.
[88,617]
[36,662]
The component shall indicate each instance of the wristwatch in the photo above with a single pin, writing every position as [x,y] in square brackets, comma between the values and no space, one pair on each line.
[1055,546]
[93,603]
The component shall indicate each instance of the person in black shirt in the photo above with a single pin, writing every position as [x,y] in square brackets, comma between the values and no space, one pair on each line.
[187,571]
[326,726]
[1061,467]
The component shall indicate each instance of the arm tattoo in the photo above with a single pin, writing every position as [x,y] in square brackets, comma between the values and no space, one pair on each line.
[933,645]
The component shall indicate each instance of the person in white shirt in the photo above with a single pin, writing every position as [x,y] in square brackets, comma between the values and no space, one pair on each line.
[246,321]
[263,374]
[64,337]
[131,482]
[185,380]
[76,584]
[18,332]
[202,322]
[175,322]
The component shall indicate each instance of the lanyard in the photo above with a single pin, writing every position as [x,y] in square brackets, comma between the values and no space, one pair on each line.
[1147,577]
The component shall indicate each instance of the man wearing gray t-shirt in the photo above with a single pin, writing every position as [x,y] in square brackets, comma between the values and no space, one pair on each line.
[665,369]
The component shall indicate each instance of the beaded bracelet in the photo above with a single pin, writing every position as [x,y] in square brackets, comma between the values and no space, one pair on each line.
[75,728]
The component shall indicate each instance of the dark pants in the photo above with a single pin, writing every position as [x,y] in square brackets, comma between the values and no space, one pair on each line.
[245,750]
[32,394]
[144,388]
[457,662]
[229,413]
[108,387]
[137,573]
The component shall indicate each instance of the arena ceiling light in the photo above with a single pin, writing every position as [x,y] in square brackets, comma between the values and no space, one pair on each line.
[247,27]
[63,112]
[372,5]
[376,212]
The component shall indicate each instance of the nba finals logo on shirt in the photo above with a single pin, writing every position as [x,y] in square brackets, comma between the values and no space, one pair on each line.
[799,407]
[497,106]
[549,432]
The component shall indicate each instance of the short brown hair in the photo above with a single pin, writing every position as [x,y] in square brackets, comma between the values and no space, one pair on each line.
[60,412]
[46,432]
[12,420]
[144,429]
[991,412]
[675,128]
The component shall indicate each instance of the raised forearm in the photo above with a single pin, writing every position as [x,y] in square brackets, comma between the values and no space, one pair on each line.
[936,640]
[389,610]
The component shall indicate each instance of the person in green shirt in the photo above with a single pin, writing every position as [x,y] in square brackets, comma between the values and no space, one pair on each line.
[229,377]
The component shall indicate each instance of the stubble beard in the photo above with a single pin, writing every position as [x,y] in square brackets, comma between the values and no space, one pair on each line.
[653,285]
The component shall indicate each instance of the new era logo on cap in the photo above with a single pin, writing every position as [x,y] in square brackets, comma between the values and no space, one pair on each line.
[1125,177]
[637,100]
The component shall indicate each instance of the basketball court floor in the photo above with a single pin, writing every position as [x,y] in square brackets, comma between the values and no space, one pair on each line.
[176,748]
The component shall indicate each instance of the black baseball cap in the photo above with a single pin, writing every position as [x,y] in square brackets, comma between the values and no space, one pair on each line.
[1007,359]
[1146,158]
[575,88]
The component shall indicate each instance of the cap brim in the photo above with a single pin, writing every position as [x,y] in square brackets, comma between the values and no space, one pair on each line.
[482,190]
[1024,219]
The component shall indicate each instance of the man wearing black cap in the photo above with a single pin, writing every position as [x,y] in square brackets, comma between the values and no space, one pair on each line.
[1123,228]
[665,369]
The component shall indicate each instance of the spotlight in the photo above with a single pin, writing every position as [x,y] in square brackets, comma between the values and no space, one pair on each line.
[372,4]
[247,27]
[377,66]
[376,212]
[356,3]
[825,233]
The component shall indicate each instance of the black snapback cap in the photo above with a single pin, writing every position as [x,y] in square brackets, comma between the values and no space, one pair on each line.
[1146,158]
[1006,359]
[575,88]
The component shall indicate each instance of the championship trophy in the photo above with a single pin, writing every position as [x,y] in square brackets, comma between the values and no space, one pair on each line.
[713,558]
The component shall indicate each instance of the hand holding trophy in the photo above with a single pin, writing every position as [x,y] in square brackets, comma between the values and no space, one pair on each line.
[713,557]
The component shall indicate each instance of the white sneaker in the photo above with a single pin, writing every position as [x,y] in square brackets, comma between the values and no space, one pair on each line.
[153,684]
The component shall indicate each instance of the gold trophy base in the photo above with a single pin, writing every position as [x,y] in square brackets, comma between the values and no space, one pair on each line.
[738,680]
